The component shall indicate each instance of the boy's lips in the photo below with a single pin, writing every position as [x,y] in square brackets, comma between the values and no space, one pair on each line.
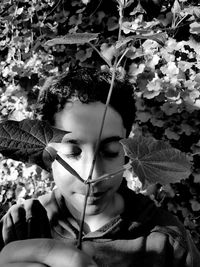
[97,194]
[92,197]
[95,197]
[94,191]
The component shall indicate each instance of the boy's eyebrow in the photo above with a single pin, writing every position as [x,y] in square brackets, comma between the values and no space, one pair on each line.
[103,141]
[111,139]
[72,141]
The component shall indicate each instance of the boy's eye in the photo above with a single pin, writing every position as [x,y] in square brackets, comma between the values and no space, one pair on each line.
[75,153]
[71,151]
[110,154]
[111,150]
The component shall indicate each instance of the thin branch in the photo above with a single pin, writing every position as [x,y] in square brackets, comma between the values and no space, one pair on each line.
[107,62]
[119,61]
[57,4]
[69,168]
[96,8]
[79,241]
[110,175]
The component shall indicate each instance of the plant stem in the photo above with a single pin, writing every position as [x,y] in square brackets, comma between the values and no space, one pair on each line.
[124,53]
[79,241]
[110,175]
[69,168]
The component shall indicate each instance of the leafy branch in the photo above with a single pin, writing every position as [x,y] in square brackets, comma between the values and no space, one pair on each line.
[33,141]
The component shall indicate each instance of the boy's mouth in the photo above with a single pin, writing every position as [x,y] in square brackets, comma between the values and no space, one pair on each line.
[93,197]
[94,193]
[97,194]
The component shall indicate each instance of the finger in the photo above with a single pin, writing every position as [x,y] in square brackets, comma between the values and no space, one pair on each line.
[28,220]
[37,220]
[46,251]
[14,224]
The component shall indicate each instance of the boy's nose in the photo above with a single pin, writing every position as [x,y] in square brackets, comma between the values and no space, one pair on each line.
[96,171]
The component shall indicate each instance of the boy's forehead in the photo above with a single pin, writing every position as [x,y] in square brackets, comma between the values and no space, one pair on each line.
[83,121]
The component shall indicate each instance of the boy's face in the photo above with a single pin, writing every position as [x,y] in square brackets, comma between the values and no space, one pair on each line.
[77,149]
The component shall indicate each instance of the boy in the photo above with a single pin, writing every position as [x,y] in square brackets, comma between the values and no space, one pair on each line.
[121,228]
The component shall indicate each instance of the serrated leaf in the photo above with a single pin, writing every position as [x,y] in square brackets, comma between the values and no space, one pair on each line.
[73,38]
[156,161]
[26,140]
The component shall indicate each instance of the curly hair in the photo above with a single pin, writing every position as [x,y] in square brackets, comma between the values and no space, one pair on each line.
[87,85]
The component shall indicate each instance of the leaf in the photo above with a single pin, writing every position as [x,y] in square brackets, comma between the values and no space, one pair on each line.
[143,116]
[160,38]
[195,205]
[26,140]
[108,51]
[156,161]
[73,38]
[192,10]
[195,28]
[19,11]
[176,9]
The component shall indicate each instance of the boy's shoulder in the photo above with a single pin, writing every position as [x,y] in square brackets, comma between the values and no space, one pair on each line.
[146,216]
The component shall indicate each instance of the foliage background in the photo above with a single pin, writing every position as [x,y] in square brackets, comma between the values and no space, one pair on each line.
[165,75]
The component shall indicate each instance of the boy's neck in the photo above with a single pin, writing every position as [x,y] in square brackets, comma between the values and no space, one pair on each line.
[94,222]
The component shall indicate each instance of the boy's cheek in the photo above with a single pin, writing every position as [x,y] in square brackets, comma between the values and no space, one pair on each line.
[60,174]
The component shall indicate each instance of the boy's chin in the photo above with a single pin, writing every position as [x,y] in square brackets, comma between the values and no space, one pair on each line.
[92,210]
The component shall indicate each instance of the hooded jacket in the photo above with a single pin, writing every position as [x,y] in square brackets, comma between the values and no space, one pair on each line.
[142,236]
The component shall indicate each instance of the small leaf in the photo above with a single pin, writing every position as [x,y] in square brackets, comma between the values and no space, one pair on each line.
[195,28]
[108,51]
[143,116]
[160,38]
[195,205]
[19,11]
[26,140]
[112,23]
[192,10]
[171,135]
[176,9]
[74,38]
[196,177]
[156,161]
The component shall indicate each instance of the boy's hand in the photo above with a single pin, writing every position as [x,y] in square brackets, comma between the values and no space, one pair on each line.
[25,221]
[43,253]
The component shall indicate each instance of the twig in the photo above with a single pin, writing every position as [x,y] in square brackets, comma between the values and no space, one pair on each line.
[68,168]
[110,175]
[79,241]
[127,49]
